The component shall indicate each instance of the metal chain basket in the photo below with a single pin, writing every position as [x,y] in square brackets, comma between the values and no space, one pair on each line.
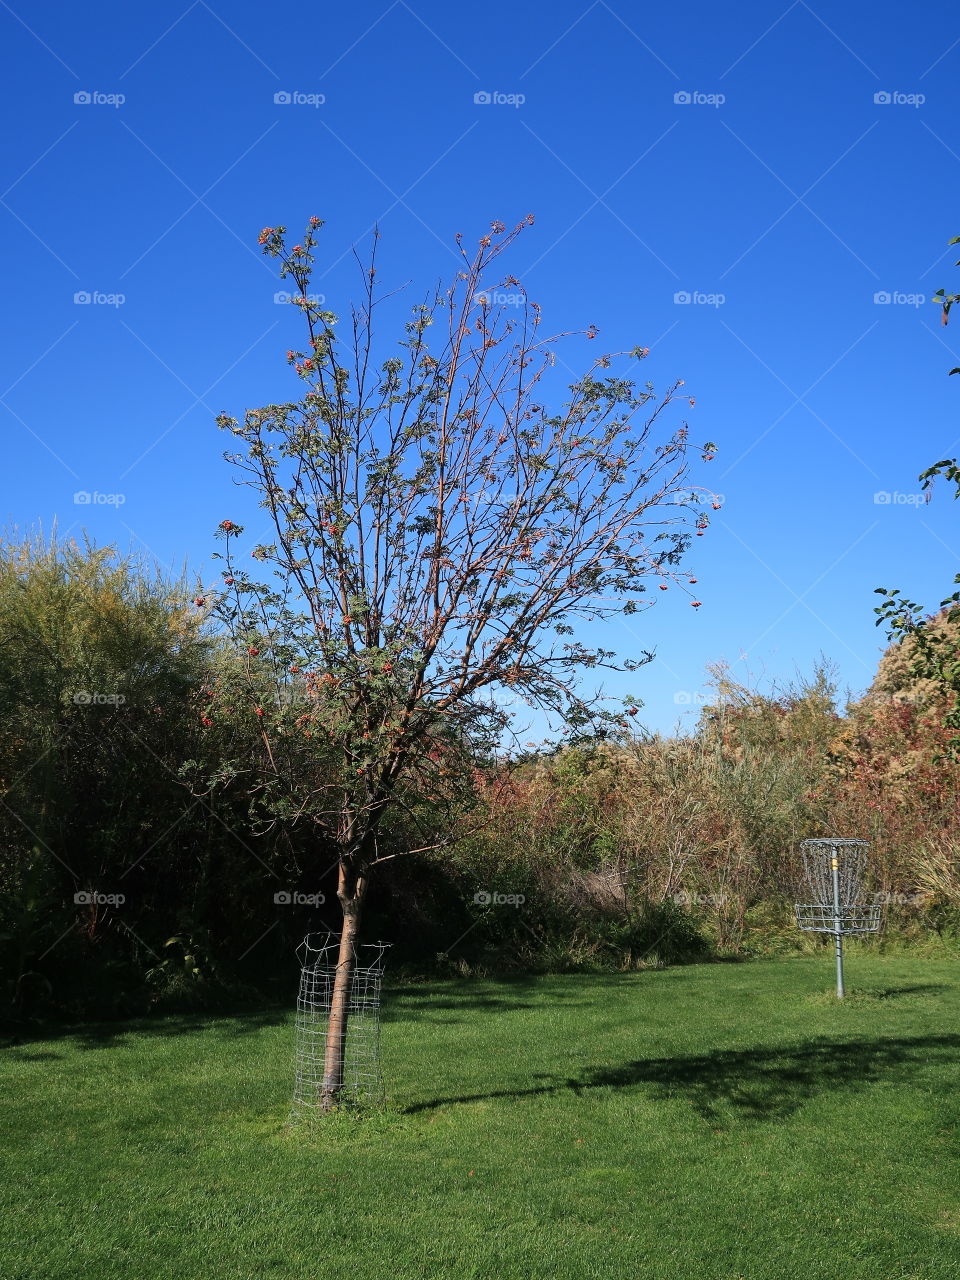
[835,870]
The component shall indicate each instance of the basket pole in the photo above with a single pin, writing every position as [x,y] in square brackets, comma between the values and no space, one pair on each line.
[837,923]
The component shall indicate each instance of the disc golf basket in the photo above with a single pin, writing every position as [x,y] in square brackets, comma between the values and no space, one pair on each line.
[362,1079]
[834,871]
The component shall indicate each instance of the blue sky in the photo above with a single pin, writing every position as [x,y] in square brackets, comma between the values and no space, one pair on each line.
[799,162]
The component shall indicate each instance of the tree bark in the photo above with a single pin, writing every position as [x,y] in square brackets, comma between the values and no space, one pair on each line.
[350,892]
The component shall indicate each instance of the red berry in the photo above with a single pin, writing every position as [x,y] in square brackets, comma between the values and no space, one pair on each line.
[226,524]
[260,712]
[294,668]
[696,604]
[252,651]
[663,586]
[199,600]
[228,582]
[691,581]
[716,506]
[205,721]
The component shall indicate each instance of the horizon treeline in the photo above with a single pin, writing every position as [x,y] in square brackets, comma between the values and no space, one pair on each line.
[139,870]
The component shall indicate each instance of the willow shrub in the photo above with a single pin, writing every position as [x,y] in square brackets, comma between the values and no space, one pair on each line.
[99,657]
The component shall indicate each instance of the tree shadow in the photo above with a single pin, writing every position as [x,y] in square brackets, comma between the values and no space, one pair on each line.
[750,1085]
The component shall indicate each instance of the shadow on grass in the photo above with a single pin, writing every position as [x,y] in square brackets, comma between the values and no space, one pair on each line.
[406,999]
[403,999]
[45,1056]
[102,1035]
[921,988]
[748,1084]
[869,995]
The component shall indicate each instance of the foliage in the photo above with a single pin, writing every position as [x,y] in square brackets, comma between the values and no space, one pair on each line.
[610,853]
[929,646]
[103,851]
[688,831]
[946,301]
[436,521]
[932,639]
[96,658]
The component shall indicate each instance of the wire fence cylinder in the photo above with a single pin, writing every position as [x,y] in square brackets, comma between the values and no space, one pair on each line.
[362,1076]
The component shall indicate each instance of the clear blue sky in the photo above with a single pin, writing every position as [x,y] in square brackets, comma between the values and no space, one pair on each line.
[798,198]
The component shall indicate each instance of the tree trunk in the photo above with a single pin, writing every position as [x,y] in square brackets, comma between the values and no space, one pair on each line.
[350,892]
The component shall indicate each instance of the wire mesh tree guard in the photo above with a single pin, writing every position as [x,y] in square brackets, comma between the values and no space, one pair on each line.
[362,1077]
[835,871]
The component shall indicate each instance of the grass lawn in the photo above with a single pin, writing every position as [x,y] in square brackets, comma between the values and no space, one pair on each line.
[711,1122]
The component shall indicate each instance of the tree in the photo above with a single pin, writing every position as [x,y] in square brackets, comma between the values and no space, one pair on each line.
[437,530]
[930,638]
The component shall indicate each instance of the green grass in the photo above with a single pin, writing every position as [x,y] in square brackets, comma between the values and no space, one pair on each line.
[713,1122]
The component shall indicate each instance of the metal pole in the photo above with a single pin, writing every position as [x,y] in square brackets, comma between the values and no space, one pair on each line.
[837,923]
